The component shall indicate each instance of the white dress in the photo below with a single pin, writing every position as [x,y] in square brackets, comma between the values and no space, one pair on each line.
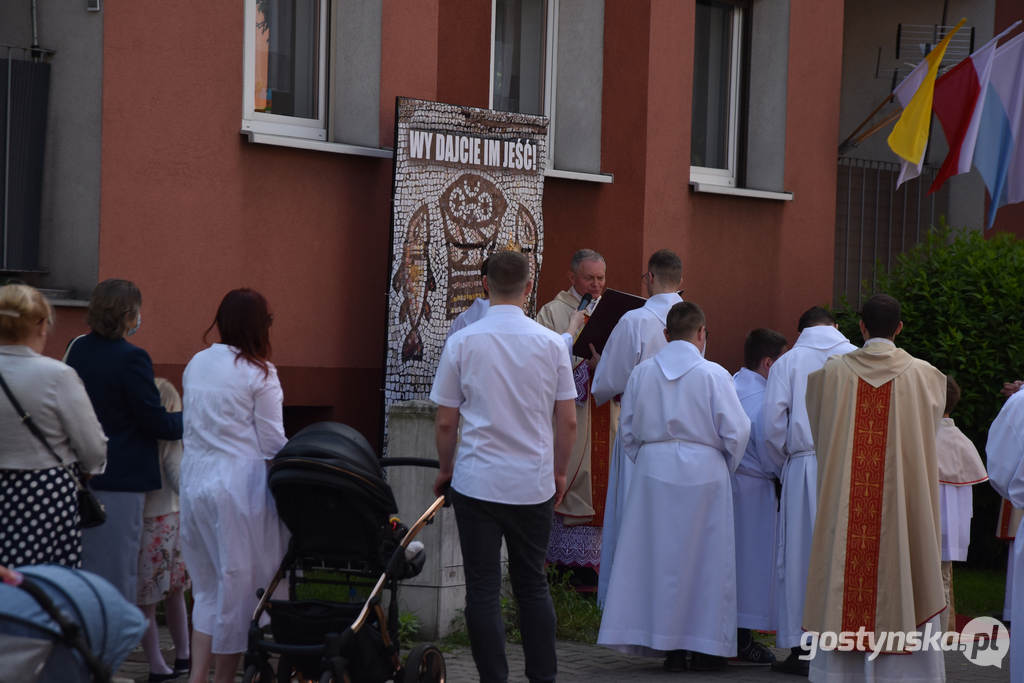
[673,582]
[756,515]
[788,443]
[637,336]
[1005,451]
[232,539]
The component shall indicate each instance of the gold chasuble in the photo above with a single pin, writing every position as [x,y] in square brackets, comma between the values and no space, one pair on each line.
[876,549]
[589,460]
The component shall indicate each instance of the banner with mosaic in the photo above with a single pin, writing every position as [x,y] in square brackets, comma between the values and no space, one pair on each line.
[467,182]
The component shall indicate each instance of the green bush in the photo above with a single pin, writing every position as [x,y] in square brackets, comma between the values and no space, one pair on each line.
[578,616]
[962,297]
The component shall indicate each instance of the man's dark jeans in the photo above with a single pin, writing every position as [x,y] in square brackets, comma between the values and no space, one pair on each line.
[526,529]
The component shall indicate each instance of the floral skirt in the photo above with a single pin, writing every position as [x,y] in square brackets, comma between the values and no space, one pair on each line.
[39,518]
[161,569]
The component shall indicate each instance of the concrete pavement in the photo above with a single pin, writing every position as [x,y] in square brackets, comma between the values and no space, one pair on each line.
[585,663]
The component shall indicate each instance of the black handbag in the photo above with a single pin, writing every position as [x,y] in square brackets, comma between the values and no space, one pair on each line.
[90,510]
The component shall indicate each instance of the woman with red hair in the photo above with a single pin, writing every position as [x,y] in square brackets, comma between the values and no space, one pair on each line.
[232,539]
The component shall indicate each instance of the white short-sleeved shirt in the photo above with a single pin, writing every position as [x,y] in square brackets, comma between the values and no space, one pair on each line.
[504,374]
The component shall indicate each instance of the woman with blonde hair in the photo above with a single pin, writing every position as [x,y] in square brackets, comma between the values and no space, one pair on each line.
[38,495]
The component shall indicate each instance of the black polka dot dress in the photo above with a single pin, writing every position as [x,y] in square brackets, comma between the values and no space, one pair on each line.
[39,518]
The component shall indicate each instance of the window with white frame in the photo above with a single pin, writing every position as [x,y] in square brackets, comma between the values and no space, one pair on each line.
[717,58]
[285,88]
[519,62]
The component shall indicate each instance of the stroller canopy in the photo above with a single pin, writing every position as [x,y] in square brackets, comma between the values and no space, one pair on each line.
[30,639]
[330,492]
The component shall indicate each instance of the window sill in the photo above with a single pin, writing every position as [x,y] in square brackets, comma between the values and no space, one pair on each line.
[316,145]
[710,188]
[579,175]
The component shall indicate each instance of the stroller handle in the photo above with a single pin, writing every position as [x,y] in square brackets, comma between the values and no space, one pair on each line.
[416,462]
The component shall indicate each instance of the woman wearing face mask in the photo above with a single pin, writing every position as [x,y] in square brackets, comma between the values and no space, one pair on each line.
[118,377]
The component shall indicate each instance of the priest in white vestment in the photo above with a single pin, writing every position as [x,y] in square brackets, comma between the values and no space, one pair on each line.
[755,503]
[787,442]
[586,278]
[960,468]
[637,336]
[875,555]
[673,583]
[1005,451]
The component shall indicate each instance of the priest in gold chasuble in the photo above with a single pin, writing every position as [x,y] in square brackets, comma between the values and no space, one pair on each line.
[876,549]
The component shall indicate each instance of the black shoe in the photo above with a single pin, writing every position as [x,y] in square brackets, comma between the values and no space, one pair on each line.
[157,678]
[182,666]
[675,661]
[756,653]
[792,665]
[702,662]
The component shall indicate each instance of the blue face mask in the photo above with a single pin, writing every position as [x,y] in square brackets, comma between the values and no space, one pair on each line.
[138,323]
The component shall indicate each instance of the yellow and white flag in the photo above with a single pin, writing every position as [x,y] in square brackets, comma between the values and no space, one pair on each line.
[909,137]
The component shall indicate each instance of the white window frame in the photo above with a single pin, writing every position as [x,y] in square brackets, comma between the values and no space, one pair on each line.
[550,53]
[277,124]
[727,176]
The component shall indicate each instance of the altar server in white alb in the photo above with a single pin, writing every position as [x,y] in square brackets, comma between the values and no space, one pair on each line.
[673,584]
[788,442]
[1005,451]
[637,336]
[960,468]
[755,502]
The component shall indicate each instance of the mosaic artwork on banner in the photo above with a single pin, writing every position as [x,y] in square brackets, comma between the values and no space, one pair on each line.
[467,182]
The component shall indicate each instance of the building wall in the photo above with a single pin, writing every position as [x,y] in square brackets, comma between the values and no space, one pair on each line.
[70,218]
[190,209]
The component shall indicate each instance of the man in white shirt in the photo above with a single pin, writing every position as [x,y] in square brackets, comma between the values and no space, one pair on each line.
[788,444]
[755,502]
[637,336]
[586,279]
[673,584]
[510,380]
[477,309]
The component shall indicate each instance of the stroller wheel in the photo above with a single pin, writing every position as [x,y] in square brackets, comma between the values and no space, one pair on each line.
[425,664]
[258,674]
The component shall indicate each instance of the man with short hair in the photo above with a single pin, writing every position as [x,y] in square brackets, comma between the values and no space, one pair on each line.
[638,335]
[477,309]
[673,583]
[875,557]
[510,380]
[788,444]
[755,502]
[586,278]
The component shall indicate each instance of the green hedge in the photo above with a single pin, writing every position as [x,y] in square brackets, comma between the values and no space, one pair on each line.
[962,299]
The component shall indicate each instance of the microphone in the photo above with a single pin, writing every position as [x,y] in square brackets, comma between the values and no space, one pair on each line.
[584,302]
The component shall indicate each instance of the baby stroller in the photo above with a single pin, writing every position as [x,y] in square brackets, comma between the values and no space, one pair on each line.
[330,492]
[62,625]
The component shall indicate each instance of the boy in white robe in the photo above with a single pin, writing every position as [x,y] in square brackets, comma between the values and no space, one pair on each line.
[788,442]
[1005,451]
[637,336]
[756,504]
[960,468]
[673,583]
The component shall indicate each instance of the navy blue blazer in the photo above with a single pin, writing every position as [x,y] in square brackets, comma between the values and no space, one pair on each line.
[118,377]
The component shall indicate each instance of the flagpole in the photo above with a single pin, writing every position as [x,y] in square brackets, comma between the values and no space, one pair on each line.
[849,143]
